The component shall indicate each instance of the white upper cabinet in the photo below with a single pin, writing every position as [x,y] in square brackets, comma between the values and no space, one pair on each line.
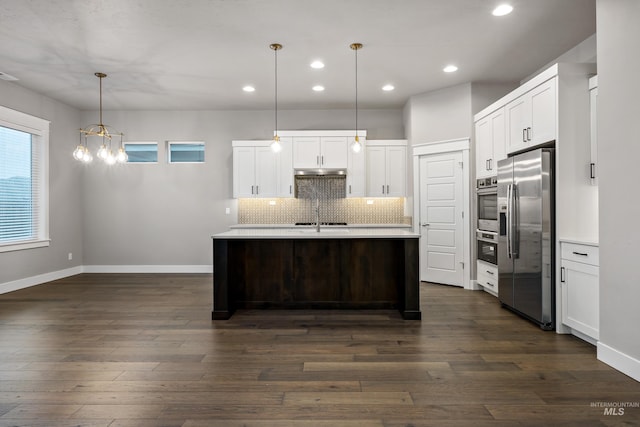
[285,186]
[356,170]
[531,118]
[490,143]
[328,152]
[259,172]
[386,168]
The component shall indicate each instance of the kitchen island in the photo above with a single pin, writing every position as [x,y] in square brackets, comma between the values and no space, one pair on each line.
[300,268]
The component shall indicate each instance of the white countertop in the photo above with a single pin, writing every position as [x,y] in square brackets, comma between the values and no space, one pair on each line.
[260,226]
[328,232]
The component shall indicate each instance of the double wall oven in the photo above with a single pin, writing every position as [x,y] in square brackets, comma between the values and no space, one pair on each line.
[487,231]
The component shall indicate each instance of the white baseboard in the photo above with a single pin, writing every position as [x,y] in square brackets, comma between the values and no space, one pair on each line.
[148,269]
[622,362]
[39,279]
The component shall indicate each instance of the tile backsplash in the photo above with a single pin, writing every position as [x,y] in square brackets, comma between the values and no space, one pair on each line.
[349,210]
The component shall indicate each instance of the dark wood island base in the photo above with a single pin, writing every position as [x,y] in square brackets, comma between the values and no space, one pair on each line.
[312,273]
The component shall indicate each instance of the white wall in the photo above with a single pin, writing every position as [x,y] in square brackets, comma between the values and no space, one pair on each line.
[65,194]
[161,214]
[618,157]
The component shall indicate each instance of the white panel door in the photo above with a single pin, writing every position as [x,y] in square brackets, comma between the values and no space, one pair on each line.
[376,169]
[267,173]
[285,187]
[333,153]
[441,219]
[306,152]
[396,171]
[244,178]
[543,113]
[356,172]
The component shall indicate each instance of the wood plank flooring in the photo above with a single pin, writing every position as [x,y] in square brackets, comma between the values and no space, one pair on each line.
[140,350]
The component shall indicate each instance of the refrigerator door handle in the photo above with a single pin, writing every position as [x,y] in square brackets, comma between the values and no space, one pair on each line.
[509,229]
[515,234]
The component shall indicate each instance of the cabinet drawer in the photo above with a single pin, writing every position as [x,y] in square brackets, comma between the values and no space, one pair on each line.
[488,275]
[585,254]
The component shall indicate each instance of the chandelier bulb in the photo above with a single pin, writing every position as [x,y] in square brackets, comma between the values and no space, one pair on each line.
[79,152]
[122,156]
[88,158]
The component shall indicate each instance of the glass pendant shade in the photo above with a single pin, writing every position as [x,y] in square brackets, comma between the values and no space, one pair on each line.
[79,152]
[122,156]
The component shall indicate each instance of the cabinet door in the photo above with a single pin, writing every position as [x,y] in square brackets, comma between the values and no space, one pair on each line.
[267,174]
[484,147]
[543,113]
[306,152]
[580,297]
[396,171]
[499,139]
[376,170]
[285,188]
[333,152]
[516,123]
[243,172]
[356,172]
[593,104]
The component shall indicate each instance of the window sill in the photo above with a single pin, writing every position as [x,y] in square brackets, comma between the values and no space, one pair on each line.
[8,247]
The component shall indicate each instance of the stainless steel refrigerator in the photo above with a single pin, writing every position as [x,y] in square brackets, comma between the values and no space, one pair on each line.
[526,235]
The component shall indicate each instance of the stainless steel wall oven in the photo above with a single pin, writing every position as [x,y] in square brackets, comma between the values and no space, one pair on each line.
[487,246]
[487,201]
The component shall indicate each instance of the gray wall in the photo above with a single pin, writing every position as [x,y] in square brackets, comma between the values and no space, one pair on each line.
[618,154]
[162,214]
[65,187]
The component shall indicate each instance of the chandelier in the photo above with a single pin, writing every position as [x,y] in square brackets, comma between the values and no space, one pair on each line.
[105,133]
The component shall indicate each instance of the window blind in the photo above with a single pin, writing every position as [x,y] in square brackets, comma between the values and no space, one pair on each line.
[20,192]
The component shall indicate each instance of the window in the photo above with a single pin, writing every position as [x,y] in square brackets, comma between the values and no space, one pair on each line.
[24,216]
[142,152]
[185,152]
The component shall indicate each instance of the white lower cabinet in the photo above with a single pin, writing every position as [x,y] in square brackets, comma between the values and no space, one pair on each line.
[487,276]
[579,281]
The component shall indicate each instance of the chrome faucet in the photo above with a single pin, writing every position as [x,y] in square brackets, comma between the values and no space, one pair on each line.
[317,214]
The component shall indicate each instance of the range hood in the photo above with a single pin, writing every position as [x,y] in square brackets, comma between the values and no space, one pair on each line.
[320,172]
[320,183]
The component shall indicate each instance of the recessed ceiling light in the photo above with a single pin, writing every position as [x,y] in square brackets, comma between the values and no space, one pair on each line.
[318,88]
[249,89]
[450,69]
[503,9]
[388,88]
[317,64]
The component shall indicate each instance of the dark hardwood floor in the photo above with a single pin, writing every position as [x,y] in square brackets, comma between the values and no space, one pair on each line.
[141,350]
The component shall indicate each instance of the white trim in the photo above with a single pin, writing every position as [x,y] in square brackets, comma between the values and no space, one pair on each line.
[440,147]
[387,142]
[20,246]
[622,362]
[282,133]
[147,269]
[38,280]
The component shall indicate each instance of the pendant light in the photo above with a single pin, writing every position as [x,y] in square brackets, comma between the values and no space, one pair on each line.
[106,133]
[275,144]
[356,146]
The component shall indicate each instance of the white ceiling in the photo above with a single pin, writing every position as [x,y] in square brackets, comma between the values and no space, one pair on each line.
[198,54]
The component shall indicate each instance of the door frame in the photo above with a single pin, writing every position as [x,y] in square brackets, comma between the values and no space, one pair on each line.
[461,145]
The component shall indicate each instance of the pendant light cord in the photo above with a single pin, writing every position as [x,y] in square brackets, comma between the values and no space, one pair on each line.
[276,92]
[356,94]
